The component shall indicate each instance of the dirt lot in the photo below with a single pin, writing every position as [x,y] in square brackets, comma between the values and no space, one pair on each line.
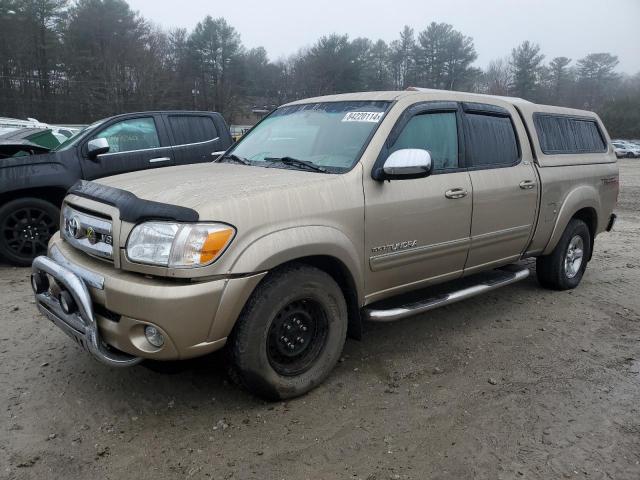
[522,383]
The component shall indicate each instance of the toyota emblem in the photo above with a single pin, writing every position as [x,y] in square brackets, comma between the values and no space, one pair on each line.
[73,227]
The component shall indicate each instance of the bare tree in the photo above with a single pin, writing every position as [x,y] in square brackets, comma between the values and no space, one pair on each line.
[401,59]
[497,77]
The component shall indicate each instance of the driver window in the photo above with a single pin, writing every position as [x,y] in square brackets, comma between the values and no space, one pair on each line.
[132,134]
[436,132]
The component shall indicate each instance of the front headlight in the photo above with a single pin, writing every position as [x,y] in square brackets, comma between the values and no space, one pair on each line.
[178,245]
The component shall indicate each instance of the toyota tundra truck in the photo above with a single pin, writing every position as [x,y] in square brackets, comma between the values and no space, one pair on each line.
[331,212]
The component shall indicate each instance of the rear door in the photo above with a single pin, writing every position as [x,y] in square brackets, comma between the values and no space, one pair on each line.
[505,187]
[135,143]
[196,137]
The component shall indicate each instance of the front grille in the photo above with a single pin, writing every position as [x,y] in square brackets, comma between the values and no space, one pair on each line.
[87,232]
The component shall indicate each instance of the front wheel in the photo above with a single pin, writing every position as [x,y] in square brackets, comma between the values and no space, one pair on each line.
[564,267]
[290,334]
[26,225]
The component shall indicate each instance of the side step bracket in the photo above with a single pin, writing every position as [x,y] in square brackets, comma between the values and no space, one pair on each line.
[483,283]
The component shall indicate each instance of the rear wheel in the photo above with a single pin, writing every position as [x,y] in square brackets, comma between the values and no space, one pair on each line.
[290,334]
[564,267]
[26,225]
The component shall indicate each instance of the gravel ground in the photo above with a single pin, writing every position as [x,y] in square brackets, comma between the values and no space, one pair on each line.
[520,383]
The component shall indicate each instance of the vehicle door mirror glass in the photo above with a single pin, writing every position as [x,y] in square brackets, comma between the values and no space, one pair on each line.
[96,147]
[407,163]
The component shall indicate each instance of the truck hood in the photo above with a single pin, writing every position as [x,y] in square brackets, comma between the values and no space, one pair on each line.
[210,187]
[37,158]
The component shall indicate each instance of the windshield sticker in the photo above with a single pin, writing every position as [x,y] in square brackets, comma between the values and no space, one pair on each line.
[363,117]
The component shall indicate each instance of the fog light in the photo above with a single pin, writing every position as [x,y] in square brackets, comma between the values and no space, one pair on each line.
[67,302]
[39,282]
[154,337]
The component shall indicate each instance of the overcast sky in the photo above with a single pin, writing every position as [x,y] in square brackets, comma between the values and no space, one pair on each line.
[571,28]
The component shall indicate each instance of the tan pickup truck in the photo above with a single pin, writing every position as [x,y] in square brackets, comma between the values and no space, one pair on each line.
[330,211]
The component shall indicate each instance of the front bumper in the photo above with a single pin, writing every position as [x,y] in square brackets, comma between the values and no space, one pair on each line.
[81,324]
[113,307]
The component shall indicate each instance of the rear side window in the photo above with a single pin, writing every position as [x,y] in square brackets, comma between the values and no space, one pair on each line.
[436,132]
[562,134]
[192,128]
[491,140]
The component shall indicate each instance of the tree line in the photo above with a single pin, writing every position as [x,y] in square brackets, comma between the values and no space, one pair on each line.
[79,61]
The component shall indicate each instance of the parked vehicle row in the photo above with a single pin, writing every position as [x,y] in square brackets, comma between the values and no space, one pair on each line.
[330,211]
[32,186]
[626,148]
[61,132]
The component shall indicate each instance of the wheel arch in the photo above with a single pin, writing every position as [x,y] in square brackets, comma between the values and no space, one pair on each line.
[337,270]
[325,248]
[582,203]
[589,216]
[54,195]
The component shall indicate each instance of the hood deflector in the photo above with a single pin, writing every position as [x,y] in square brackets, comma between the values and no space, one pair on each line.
[133,209]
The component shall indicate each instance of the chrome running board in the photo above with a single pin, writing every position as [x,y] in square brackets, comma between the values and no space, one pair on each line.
[488,281]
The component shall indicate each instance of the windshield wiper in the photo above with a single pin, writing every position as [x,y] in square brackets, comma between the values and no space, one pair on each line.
[234,158]
[294,162]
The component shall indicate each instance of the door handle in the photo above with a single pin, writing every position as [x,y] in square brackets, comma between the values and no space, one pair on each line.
[160,159]
[455,193]
[527,184]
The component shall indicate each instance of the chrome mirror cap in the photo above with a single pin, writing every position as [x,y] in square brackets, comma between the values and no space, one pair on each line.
[407,163]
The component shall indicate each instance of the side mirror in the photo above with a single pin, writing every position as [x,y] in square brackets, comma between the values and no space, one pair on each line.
[96,147]
[407,163]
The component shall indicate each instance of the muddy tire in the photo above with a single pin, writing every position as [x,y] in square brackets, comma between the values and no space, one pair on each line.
[26,225]
[564,267]
[290,333]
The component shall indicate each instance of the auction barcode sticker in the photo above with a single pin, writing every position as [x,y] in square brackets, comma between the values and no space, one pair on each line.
[363,117]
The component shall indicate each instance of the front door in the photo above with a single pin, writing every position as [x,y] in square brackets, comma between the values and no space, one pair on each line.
[417,230]
[134,144]
[505,187]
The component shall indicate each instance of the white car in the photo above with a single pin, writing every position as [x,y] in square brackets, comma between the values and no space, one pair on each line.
[635,144]
[16,123]
[626,149]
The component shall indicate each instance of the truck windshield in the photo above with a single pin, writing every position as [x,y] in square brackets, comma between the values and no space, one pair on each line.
[330,135]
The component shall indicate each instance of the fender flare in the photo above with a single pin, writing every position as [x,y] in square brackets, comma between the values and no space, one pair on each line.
[289,244]
[577,199]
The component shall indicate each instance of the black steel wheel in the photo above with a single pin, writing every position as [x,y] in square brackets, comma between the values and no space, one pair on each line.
[290,333]
[26,225]
[297,336]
